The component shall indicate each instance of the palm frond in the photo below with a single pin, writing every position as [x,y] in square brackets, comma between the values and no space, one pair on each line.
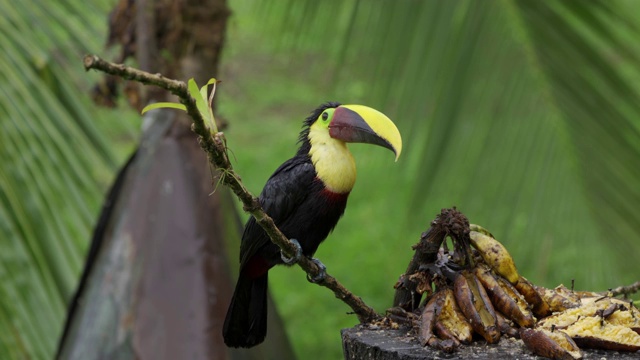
[506,108]
[56,164]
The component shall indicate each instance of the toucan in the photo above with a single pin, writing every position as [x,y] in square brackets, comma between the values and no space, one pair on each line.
[305,197]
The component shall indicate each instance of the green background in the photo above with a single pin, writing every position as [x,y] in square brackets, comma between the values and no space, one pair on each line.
[523,114]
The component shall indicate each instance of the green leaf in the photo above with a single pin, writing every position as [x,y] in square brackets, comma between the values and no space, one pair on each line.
[204,105]
[201,102]
[203,92]
[162,105]
[58,157]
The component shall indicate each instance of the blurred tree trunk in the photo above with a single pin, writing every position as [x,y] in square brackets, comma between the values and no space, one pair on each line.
[157,281]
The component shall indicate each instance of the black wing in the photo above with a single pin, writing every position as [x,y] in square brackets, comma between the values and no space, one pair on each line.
[283,193]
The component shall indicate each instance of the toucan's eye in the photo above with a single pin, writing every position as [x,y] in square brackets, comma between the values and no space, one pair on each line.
[325,116]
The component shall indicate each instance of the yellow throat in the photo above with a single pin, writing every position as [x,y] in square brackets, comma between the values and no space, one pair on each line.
[332,160]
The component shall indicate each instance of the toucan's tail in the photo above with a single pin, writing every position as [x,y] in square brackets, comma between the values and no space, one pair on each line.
[246,321]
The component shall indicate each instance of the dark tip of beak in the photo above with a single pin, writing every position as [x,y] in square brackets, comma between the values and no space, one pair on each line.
[348,126]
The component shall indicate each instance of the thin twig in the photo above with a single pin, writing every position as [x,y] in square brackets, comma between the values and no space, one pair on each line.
[215,147]
[625,290]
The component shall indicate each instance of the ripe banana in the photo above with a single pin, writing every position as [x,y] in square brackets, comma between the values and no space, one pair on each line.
[495,255]
[428,319]
[599,322]
[506,326]
[445,333]
[476,306]
[427,324]
[452,319]
[560,298]
[551,344]
[480,229]
[538,304]
[505,298]
[593,332]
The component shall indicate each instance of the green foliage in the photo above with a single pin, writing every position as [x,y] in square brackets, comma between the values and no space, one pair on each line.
[57,159]
[200,96]
[524,114]
[163,105]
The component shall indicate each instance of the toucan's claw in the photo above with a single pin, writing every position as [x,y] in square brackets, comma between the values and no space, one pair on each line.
[295,258]
[321,275]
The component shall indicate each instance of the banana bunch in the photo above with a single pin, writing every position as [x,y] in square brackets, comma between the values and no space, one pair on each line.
[489,299]
[485,295]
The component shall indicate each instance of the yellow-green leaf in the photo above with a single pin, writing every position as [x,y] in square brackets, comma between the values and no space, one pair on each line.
[203,89]
[212,119]
[161,105]
[201,102]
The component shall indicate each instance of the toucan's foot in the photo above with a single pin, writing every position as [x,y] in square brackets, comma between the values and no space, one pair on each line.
[321,275]
[294,259]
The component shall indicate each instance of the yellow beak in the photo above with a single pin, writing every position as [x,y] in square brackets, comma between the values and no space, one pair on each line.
[362,124]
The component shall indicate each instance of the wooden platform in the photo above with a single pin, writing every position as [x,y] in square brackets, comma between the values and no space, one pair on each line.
[364,343]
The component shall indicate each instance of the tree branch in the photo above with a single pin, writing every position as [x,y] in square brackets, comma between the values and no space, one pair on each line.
[625,290]
[215,147]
